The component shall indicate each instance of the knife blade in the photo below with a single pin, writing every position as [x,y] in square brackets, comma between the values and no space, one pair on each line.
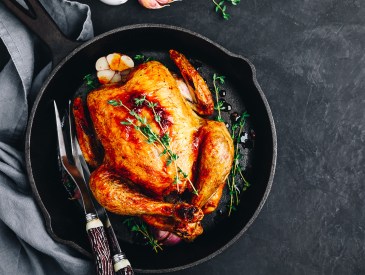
[94,227]
[120,262]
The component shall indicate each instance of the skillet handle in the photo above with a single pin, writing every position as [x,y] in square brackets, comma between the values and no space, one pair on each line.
[38,20]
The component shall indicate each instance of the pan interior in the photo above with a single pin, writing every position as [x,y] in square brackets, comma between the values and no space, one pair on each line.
[65,218]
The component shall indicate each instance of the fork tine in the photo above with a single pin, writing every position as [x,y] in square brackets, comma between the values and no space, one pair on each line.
[94,227]
[73,139]
[61,141]
[70,130]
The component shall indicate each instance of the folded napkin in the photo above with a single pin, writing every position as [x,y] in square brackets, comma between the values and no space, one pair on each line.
[25,246]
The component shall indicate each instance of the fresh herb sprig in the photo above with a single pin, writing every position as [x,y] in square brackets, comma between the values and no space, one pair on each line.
[143,58]
[153,138]
[236,174]
[234,2]
[221,7]
[138,226]
[90,81]
[218,107]
[237,169]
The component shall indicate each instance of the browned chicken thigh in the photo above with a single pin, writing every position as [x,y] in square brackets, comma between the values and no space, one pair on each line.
[155,145]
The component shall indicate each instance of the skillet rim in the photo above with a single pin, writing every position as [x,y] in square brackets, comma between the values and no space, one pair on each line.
[83,45]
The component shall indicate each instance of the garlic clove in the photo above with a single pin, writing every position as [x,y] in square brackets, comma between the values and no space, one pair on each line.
[101,64]
[122,65]
[151,4]
[127,61]
[105,76]
[113,61]
[116,78]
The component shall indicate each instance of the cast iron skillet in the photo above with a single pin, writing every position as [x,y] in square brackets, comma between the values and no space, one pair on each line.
[72,61]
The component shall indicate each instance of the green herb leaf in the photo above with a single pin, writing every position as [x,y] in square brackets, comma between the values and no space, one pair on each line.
[90,81]
[174,156]
[176,180]
[151,104]
[236,181]
[143,120]
[138,226]
[139,57]
[151,137]
[158,118]
[143,58]
[234,2]
[139,101]
[114,103]
[183,173]
[165,139]
[135,228]
[168,161]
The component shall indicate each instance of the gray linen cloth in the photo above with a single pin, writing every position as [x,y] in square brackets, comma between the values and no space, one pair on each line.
[25,246]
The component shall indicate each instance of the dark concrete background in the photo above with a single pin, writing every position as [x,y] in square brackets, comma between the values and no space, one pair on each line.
[310,61]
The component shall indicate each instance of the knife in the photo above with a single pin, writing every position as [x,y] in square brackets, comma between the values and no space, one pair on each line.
[94,227]
[121,264]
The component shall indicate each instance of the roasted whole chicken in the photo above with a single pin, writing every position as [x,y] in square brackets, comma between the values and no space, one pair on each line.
[153,153]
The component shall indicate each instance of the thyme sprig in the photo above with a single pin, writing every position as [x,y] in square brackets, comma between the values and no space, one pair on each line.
[234,190]
[236,174]
[221,7]
[152,137]
[234,2]
[90,81]
[143,58]
[218,79]
[137,225]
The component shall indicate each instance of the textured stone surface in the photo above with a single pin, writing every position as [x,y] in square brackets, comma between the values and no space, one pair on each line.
[310,60]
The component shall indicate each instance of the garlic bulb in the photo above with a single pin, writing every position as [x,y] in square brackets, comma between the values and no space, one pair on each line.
[113,68]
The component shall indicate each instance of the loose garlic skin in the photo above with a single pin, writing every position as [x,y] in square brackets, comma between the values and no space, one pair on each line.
[113,68]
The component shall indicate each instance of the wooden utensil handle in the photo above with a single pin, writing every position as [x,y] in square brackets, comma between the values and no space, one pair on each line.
[121,265]
[99,245]
[125,271]
[120,262]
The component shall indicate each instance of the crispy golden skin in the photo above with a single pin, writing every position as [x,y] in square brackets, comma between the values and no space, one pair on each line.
[134,177]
